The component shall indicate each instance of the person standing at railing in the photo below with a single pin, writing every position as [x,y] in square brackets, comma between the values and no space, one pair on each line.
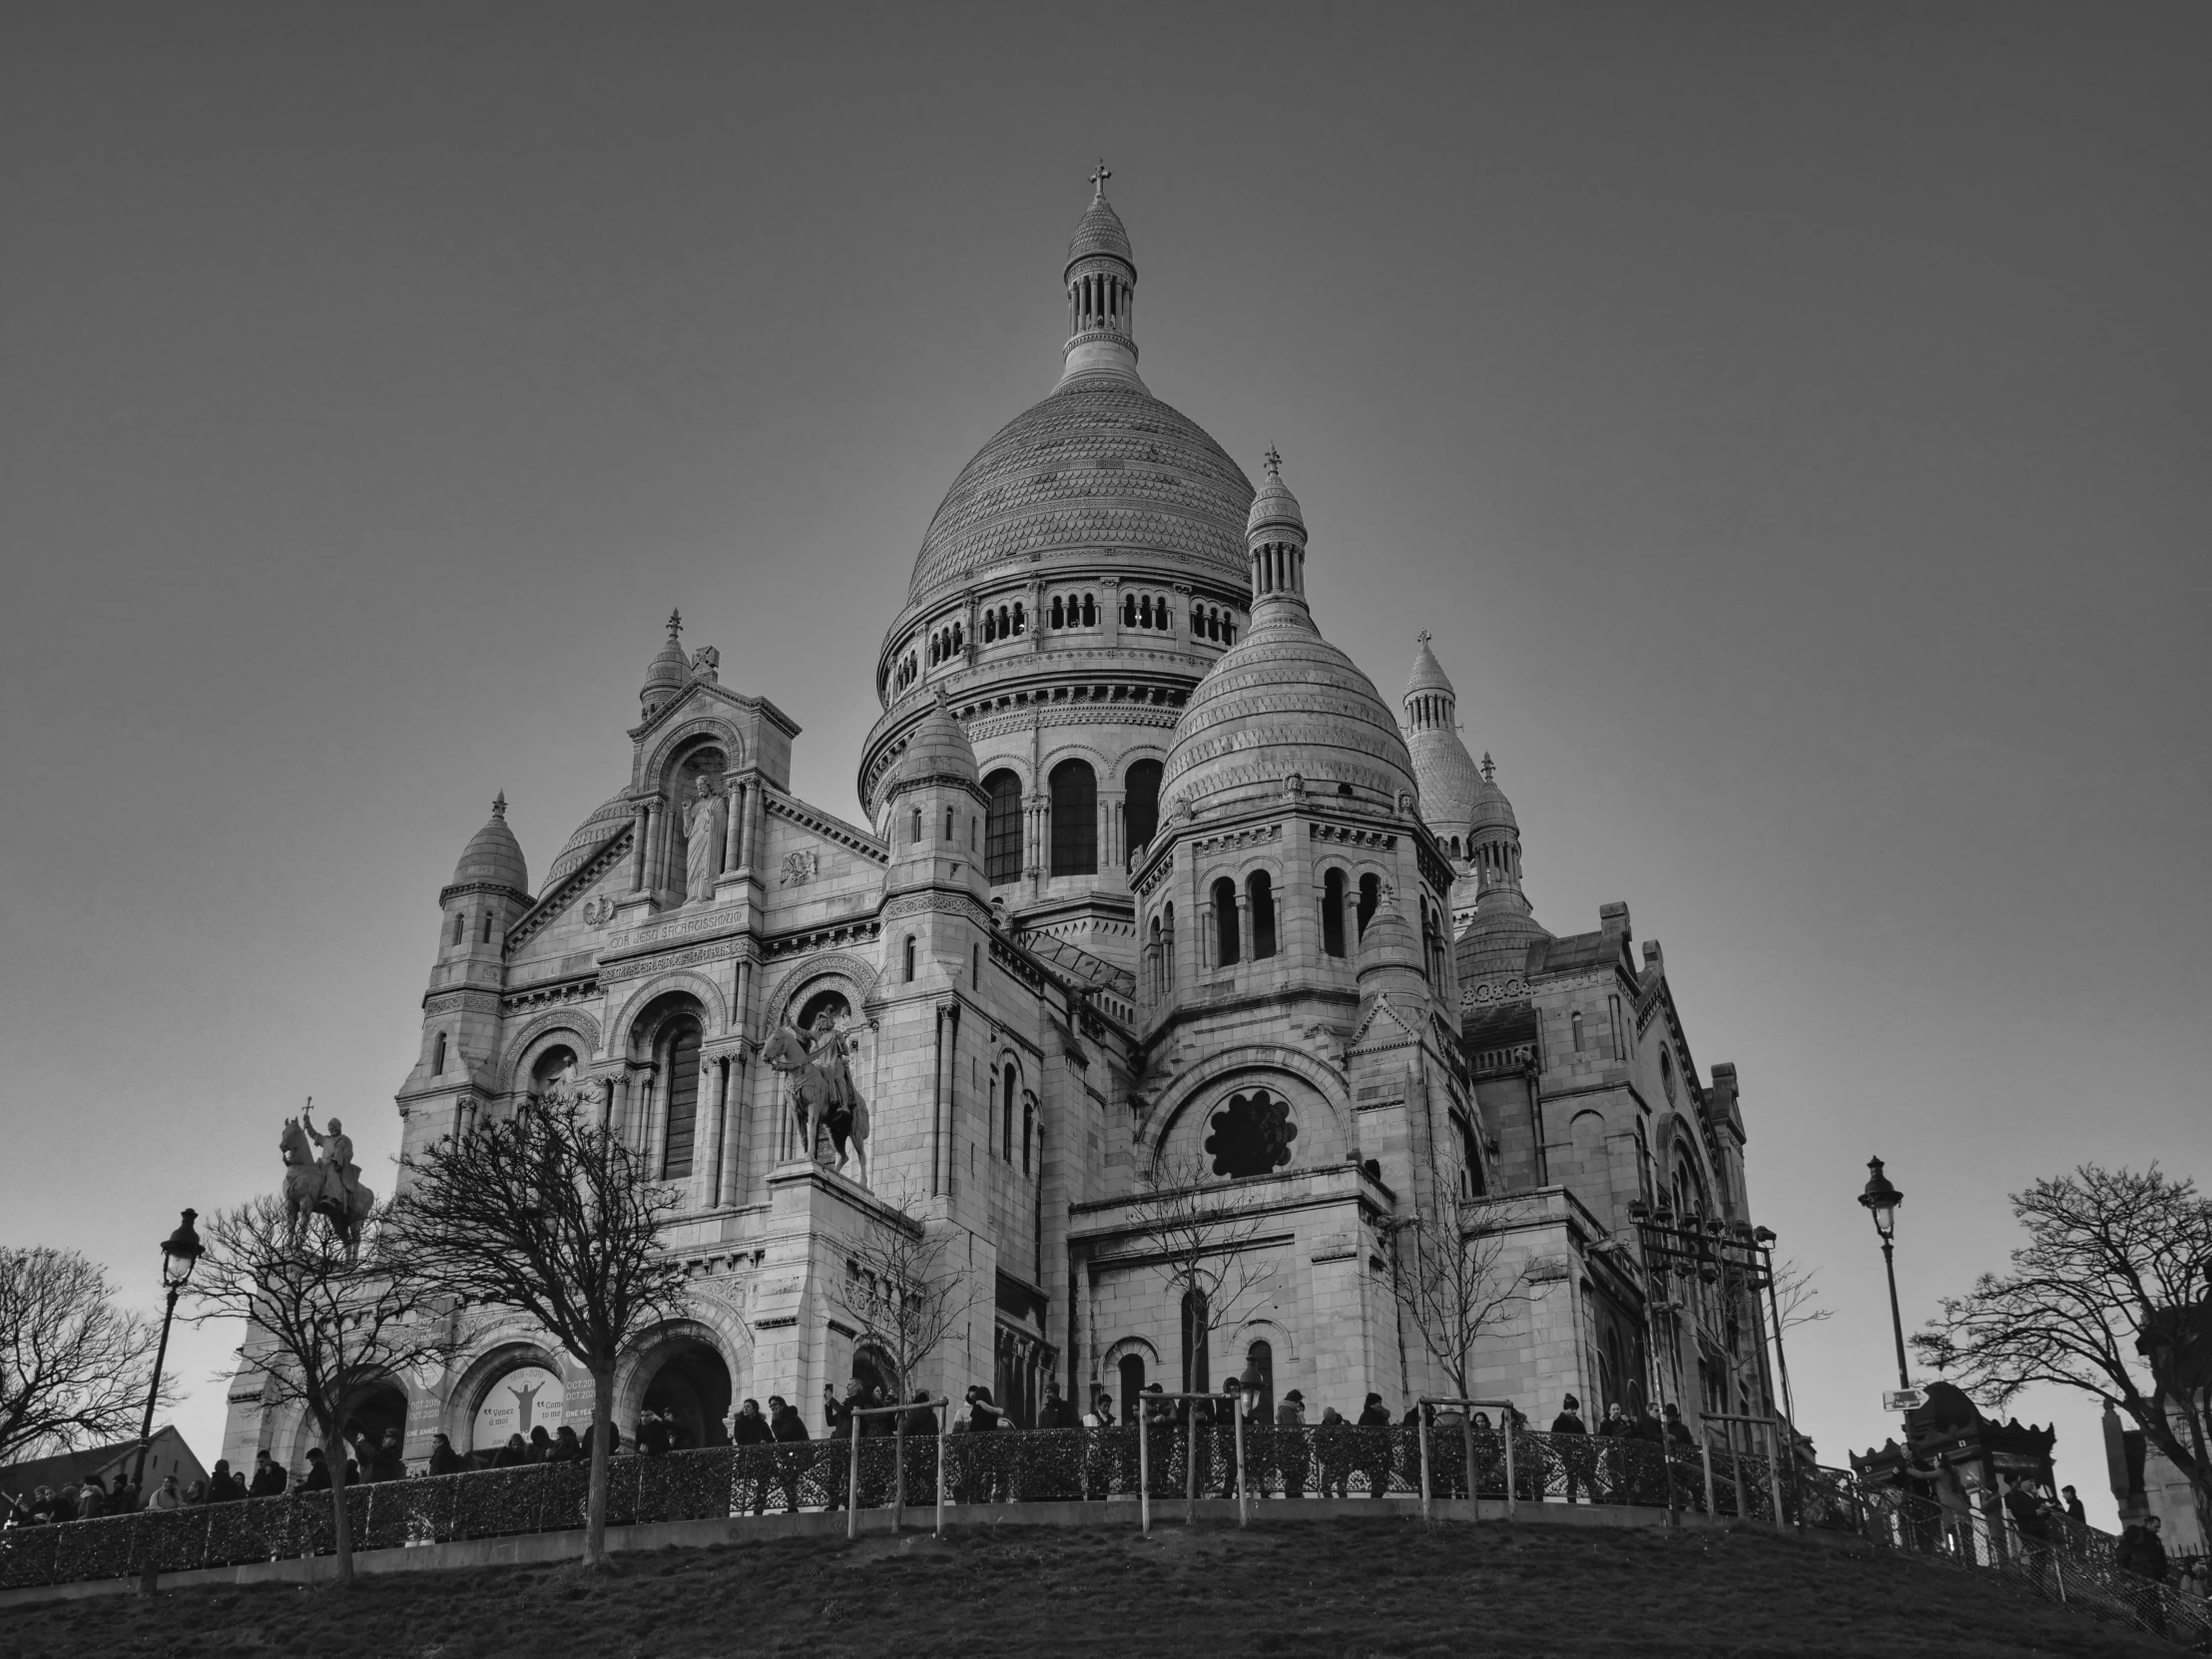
[443,1460]
[788,1429]
[2140,1552]
[2075,1515]
[1290,1444]
[1375,1445]
[1573,1434]
[270,1477]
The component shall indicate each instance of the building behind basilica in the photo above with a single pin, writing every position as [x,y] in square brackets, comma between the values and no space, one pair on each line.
[1149,883]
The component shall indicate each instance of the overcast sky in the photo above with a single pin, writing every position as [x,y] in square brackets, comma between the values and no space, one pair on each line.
[1791,423]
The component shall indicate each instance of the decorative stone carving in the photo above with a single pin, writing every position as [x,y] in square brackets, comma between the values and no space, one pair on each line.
[599,909]
[799,868]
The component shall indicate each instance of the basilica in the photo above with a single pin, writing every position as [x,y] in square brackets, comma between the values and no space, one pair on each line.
[1149,891]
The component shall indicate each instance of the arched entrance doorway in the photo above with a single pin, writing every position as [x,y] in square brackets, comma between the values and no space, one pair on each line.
[378,1410]
[690,1388]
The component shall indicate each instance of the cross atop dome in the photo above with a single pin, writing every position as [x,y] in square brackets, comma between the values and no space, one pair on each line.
[499,804]
[1098,180]
[675,623]
[1274,461]
[1490,766]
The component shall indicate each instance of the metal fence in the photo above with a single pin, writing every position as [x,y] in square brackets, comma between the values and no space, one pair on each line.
[1180,1460]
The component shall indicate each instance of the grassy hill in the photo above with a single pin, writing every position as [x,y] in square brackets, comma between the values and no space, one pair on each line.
[1344,1589]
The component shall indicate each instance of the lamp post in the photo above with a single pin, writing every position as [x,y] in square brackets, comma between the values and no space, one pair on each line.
[178,1252]
[1882,1200]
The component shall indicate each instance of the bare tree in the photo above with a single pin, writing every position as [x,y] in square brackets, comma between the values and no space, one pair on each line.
[2109,1295]
[326,1318]
[1796,1297]
[1458,1276]
[73,1366]
[550,1214]
[901,1289]
[1201,1230]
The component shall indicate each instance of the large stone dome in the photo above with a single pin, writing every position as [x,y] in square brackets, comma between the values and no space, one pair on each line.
[1285,701]
[610,818]
[1100,468]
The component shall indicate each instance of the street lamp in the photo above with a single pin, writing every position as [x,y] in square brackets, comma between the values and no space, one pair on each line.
[1882,1200]
[178,1252]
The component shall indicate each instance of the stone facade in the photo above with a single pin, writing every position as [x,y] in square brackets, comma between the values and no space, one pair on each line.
[1150,885]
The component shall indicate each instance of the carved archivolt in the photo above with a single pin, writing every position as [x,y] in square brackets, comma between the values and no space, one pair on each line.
[1256,1065]
[717,726]
[853,974]
[659,984]
[574,1021]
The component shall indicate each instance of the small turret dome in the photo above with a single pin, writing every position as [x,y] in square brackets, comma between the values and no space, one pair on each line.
[1275,507]
[1100,229]
[938,749]
[1494,948]
[1283,701]
[1490,810]
[670,668]
[493,857]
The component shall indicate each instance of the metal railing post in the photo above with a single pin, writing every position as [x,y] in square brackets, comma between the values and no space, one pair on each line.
[898,1473]
[1421,1424]
[1513,1493]
[944,1430]
[852,1482]
[1774,1478]
[1467,1445]
[1705,1457]
[1144,1473]
[1243,1493]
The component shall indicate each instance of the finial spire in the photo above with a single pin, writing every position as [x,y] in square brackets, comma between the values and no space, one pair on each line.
[675,623]
[1422,638]
[499,804]
[1274,461]
[1098,180]
[1490,766]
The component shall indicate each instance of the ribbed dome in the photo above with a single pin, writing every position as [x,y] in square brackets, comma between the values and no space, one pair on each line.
[609,818]
[1496,946]
[1100,230]
[1489,808]
[669,668]
[1100,465]
[493,856]
[938,748]
[1428,674]
[1283,701]
[1275,507]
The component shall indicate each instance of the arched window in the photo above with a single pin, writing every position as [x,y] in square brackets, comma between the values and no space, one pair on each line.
[1575,1022]
[1250,1135]
[1074,819]
[1129,610]
[1224,922]
[1003,829]
[913,828]
[681,1061]
[1167,944]
[1007,1120]
[909,958]
[1260,1362]
[1090,609]
[949,830]
[1371,895]
[1620,1039]
[1028,1129]
[1666,1075]
[1262,890]
[1140,812]
[460,927]
[1470,1153]
[437,1057]
[990,628]
[1333,914]
[1228,628]
[1059,617]
[1132,1386]
[1144,610]
[1197,1372]
[1197,622]
[485,937]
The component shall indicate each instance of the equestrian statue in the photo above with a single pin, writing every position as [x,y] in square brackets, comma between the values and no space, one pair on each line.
[330,1188]
[821,1091]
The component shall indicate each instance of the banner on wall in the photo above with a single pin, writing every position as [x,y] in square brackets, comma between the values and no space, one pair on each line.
[518,1402]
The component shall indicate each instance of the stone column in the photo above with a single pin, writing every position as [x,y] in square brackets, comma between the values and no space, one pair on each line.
[756,813]
[1110,597]
[1108,812]
[654,817]
[718,1125]
[1207,933]
[653,1124]
[733,840]
[641,838]
[1244,925]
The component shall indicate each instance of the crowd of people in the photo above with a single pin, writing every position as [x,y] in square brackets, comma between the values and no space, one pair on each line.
[118,1495]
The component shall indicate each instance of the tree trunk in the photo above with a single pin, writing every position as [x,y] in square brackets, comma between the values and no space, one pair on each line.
[341,1524]
[595,1505]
